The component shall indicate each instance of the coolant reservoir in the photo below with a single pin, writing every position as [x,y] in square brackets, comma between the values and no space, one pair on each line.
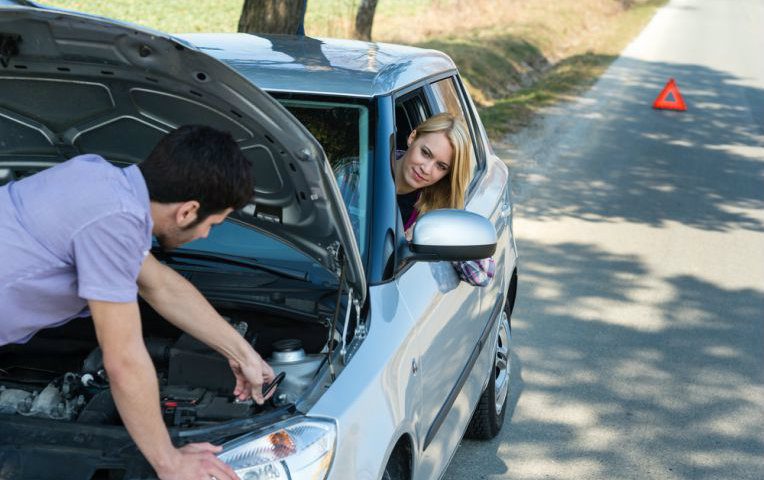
[289,357]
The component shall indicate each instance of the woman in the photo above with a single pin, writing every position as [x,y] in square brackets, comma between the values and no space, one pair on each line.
[432,173]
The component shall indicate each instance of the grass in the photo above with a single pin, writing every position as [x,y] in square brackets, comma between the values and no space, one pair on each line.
[516,56]
[563,81]
[174,16]
[541,52]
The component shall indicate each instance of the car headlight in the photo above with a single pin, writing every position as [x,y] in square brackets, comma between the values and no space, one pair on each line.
[294,450]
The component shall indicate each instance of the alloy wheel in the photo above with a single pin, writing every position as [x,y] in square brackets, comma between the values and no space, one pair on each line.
[502,365]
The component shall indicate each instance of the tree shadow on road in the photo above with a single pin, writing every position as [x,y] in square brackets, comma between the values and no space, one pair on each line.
[703,167]
[677,393]
[676,398]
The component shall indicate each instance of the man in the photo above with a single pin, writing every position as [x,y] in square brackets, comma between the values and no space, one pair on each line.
[77,237]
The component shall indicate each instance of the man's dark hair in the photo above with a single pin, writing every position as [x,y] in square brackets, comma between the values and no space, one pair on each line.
[196,162]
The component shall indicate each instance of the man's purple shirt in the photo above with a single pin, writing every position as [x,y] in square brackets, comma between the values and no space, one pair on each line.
[75,232]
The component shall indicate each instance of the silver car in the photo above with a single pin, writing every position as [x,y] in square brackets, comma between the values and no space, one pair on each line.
[388,358]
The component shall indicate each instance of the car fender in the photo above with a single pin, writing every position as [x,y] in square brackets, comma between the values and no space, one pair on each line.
[375,398]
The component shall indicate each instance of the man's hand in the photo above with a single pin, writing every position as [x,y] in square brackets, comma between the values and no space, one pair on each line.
[136,394]
[197,460]
[250,377]
[181,304]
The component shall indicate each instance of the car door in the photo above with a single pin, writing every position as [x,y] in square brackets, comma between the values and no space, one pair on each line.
[486,196]
[490,198]
[447,312]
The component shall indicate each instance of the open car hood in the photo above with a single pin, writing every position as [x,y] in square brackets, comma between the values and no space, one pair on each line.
[72,83]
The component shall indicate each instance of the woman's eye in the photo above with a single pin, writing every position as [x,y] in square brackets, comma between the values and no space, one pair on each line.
[443,166]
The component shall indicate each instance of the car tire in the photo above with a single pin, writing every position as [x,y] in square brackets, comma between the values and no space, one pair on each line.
[396,468]
[488,417]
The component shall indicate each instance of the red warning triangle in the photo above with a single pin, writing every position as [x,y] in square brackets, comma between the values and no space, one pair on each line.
[670,98]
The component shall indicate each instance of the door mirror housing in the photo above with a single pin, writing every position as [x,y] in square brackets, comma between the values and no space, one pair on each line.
[450,235]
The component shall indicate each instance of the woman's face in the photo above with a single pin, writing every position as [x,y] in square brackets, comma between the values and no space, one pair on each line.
[427,160]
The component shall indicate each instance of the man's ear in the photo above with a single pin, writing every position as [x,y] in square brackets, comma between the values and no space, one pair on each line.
[412,137]
[186,213]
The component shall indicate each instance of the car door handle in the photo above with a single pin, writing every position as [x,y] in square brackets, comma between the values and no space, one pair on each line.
[506,210]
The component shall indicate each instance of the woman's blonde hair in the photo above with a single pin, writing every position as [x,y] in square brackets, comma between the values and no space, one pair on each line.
[449,191]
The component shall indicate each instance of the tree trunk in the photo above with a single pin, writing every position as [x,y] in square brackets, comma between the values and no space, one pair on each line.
[272,16]
[364,19]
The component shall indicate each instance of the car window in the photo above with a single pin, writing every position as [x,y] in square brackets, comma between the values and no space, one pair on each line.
[342,129]
[479,137]
[448,98]
[411,109]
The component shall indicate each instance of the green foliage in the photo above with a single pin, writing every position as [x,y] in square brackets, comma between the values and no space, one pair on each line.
[495,66]
[175,16]
[515,55]
[564,79]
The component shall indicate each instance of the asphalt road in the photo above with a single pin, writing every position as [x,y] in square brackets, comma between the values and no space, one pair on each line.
[639,330]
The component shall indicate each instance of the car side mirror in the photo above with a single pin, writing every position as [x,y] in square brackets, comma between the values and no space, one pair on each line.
[450,235]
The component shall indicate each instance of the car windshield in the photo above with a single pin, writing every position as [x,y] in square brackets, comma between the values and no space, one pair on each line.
[342,129]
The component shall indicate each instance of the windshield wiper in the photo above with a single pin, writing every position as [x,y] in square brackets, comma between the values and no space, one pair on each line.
[231,260]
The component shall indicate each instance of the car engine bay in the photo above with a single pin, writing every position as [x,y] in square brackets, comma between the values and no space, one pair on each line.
[59,374]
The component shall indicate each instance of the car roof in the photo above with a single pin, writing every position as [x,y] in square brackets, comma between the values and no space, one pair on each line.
[336,67]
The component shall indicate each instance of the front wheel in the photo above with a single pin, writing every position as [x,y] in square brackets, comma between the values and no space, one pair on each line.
[395,469]
[489,414]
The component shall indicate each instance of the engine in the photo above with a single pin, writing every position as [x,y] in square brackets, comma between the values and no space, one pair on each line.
[195,382]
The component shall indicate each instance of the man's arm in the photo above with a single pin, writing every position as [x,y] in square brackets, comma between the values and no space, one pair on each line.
[178,301]
[133,383]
